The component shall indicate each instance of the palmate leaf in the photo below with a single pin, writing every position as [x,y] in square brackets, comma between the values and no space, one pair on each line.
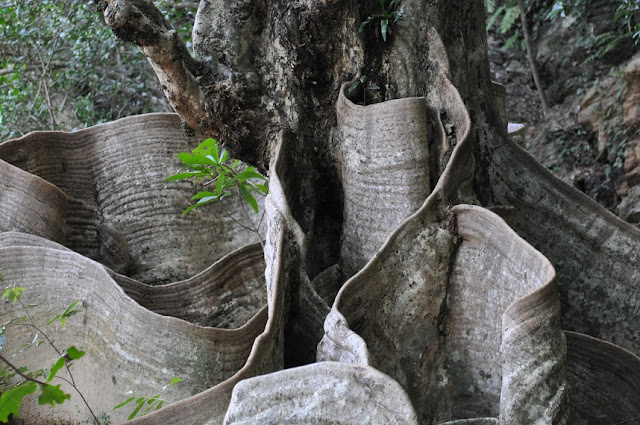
[11,399]
[52,395]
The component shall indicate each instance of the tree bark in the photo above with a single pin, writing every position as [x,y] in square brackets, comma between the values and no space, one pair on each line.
[409,237]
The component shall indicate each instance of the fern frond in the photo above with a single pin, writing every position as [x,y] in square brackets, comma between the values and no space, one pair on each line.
[494,16]
[510,16]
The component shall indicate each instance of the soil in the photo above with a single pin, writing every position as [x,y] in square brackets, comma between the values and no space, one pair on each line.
[559,142]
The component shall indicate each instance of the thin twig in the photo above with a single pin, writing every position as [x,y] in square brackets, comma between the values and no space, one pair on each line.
[255,230]
[237,222]
[66,364]
[16,370]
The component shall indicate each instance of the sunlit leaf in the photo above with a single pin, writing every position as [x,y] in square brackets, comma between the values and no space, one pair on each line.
[124,403]
[140,403]
[59,364]
[203,194]
[10,400]
[248,197]
[175,380]
[52,395]
[72,353]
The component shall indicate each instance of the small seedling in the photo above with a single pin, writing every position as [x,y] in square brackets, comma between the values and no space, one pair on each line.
[390,14]
[211,163]
[366,87]
[152,403]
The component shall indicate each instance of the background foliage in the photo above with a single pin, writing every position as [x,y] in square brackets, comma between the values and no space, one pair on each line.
[61,68]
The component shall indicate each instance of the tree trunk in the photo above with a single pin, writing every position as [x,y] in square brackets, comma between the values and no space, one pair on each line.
[430,260]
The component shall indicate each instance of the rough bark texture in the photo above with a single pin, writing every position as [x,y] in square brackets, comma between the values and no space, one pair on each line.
[463,257]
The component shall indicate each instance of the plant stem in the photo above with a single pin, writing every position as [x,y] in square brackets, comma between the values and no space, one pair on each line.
[66,365]
[255,230]
[16,370]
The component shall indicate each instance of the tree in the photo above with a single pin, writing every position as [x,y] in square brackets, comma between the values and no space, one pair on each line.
[399,199]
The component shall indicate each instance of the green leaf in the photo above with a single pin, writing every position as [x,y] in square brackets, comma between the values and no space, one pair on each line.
[201,202]
[381,2]
[509,18]
[384,25]
[373,87]
[494,16]
[13,294]
[127,401]
[224,156]
[247,174]
[185,175]
[152,404]
[55,368]
[52,395]
[72,353]
[17,320]
[53,320]
[264,188]
[220,183]
[203,194]
[214,153]
[68,313]
[11,400]
[189,159]
[206,146]
[140,403]
[248,197]
[175,380]
[364,24]
[353,87]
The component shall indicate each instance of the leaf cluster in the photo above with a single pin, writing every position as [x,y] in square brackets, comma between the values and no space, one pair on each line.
[29,382]
[367,86]
[152,403]
[212,162]
[390,14]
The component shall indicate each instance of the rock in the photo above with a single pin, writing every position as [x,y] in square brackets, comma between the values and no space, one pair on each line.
[629,208]
[599,110]
[515,67]
[517,133]
[632,163]
[631,105]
